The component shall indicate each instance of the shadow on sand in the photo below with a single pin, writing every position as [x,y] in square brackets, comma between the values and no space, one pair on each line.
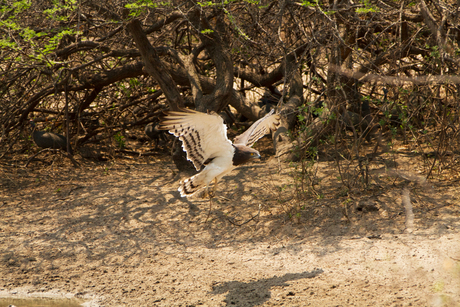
[257,292]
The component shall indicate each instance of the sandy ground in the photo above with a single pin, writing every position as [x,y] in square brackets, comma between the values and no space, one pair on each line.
[118,234]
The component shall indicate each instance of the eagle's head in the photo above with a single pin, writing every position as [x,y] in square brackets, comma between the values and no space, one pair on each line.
[244,154]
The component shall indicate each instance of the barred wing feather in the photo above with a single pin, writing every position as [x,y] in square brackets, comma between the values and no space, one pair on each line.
[203,136]
[268,123]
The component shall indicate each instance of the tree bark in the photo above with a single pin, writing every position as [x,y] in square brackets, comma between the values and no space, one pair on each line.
[281,140]
[220,96]
[155,67]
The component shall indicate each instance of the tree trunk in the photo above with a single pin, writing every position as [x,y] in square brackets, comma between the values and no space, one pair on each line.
[155,67]
[281,140]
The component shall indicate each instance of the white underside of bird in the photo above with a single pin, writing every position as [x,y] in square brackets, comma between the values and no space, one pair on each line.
[215,170]
[204,139]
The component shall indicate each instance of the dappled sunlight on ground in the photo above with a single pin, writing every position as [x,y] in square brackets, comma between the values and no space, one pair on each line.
[119,234]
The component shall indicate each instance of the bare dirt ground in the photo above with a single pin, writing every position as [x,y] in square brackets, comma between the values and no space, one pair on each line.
[118,234]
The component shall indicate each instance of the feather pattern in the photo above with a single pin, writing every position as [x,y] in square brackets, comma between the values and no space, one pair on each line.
[192,128]
[214,170]
[257,130]
[204,139]
[190,185]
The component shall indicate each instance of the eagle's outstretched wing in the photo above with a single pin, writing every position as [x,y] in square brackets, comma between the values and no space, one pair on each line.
[268,123]
[203,136]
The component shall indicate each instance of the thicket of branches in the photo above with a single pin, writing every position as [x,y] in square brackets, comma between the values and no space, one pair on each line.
[104,67]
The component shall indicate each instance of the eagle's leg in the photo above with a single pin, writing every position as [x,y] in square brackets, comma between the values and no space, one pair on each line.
[212,193]
[206,193]
[209,192]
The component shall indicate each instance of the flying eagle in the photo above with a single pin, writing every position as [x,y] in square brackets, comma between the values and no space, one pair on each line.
[204,139]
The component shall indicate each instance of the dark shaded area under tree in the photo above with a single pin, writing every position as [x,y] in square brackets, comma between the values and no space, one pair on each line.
[119,67]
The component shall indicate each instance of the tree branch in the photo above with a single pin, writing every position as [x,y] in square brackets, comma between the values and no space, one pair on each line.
[222,92]
[154,66]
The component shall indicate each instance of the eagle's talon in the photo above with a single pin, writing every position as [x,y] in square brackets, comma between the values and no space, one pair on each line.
[207,193]
[211,194]
[203,194]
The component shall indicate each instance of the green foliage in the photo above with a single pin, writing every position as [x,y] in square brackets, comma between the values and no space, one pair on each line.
[120,139]
[309,108]
[53,42]
[14,8]
[10,24]
[434,52]
[234,23]
[207,4]
[301,115]
[32,39]
[125,89]
[139,7]
[318,110]
[309,3]
[7,44]
[224,3]
[134,82]
[60,10]
[207,31]
[368,8]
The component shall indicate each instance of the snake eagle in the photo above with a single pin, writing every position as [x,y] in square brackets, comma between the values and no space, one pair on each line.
[204,139]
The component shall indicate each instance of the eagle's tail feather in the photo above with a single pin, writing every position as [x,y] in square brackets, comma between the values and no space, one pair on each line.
[191,185]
